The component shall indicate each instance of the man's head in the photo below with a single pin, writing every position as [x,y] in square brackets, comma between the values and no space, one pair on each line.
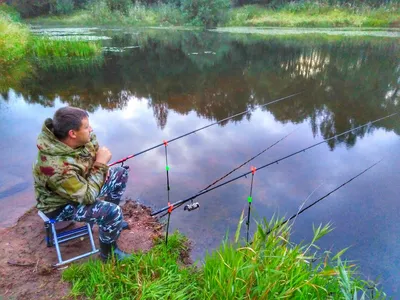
[71,126]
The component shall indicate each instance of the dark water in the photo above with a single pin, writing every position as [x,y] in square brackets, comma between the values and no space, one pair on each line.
[165,83]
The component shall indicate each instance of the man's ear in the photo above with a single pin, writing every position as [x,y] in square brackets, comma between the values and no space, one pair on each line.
[72,134]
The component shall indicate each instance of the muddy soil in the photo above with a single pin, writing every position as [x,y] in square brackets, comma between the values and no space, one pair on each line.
[26,263]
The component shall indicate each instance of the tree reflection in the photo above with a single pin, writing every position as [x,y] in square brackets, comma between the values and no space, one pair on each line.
[347,81]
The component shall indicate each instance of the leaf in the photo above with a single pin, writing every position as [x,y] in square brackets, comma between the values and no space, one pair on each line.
[237,234]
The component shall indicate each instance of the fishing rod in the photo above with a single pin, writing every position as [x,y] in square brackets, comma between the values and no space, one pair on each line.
[323,197]
[196,205]
[121,161]
[271,163]
[246,162]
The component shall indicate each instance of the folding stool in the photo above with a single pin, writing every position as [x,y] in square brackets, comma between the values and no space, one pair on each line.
[55,239]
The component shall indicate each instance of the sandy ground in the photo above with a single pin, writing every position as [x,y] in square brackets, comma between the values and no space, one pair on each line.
[26,263]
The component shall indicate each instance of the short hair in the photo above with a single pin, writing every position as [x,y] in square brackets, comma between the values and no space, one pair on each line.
[66,119]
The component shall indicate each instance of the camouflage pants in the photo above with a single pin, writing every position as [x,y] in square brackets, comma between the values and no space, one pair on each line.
[105,212]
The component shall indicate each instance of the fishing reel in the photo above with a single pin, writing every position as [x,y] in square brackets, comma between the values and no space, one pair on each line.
[192,206]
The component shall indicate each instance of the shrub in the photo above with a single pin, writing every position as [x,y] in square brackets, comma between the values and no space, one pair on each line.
[11,12]
[63,7]
[208,13]
[119,5]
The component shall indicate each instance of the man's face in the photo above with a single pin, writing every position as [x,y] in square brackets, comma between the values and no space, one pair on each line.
[83,134]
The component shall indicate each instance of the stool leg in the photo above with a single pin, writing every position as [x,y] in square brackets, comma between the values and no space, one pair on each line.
[48,234]
[89,229]
[53,228]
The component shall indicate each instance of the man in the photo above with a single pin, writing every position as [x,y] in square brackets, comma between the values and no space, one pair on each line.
[70,178]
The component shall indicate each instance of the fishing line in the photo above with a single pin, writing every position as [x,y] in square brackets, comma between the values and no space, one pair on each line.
[196,205]
[196,130]
[271,163]
[323,197]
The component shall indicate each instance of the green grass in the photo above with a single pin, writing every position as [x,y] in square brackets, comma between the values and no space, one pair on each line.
[14,39]
[137,15]
[158,274]
[314,14]
[17,43]
[45,47]
[303,14]
[271,267]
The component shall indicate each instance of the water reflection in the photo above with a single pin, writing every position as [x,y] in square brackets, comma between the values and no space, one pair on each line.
[166,83]
[346,83]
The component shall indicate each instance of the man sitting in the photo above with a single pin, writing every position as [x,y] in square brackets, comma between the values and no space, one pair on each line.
[72,180]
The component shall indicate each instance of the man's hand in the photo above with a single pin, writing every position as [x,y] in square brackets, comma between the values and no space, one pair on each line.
[103,155]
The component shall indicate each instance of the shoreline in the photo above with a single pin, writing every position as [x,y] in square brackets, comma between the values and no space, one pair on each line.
[26,263]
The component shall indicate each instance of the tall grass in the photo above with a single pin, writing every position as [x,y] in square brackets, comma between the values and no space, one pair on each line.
[316,14]
[158,274]
[13,39]
[293,14]
[45,47]
[137,14]
[271,267]
[17,43]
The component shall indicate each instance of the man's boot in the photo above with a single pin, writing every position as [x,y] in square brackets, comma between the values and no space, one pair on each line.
[125,225]
[107,250]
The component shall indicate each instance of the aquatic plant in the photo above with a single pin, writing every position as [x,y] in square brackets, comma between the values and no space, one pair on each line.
[48,47]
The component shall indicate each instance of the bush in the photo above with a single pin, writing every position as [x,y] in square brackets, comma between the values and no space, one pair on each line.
[119,5]
[11,12]
[31,8]
[63,7]
[208,13]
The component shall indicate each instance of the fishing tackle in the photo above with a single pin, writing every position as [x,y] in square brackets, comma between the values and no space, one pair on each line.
[196,130]
[271,163]
[192,206]
[250,200]
[170,207]
[238,167]
[323,197]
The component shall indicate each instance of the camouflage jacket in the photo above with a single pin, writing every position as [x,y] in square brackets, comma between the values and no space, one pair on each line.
[63,175]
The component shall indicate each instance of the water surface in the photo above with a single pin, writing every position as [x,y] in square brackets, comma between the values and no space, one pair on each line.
[153,85]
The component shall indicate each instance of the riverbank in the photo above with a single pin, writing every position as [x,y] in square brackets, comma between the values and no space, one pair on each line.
[18,43]
[306,14]
[26,270]
[235,270]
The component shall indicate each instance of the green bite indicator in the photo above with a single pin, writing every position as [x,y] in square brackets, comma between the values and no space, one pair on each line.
[250,199]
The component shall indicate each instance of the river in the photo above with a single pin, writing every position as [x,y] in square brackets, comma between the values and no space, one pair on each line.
[151,85]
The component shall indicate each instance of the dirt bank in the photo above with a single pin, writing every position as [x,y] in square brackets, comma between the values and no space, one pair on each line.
[26,270]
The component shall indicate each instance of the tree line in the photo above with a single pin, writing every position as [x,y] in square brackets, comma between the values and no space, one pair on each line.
[33,8]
